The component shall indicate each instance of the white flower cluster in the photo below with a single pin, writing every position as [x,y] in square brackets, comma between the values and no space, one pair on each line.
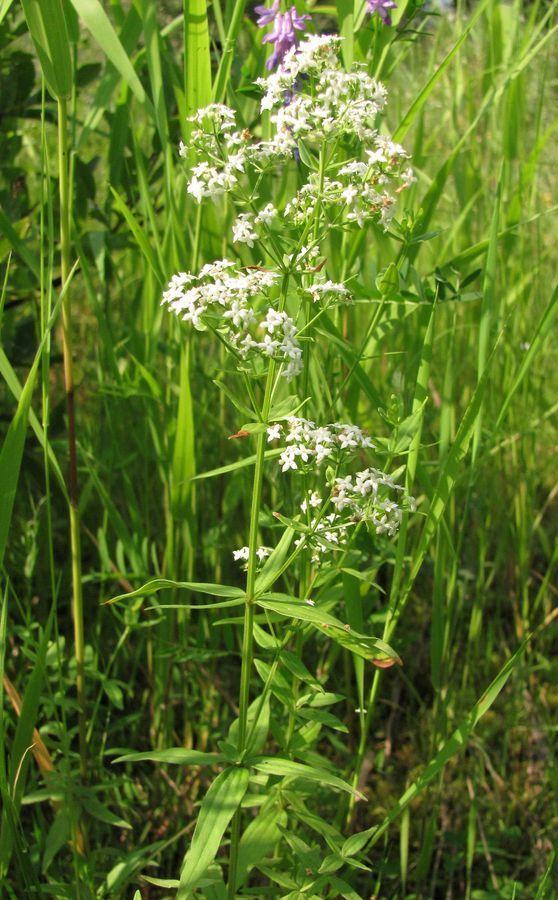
[329,291]
[313,99]
[243,229]
[224,295]
[363,496]
[358,192]
[309,443]
[360,498]
[327,101]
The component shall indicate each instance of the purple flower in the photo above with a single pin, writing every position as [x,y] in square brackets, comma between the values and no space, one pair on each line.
[285,26]
[381,7]
[266,14]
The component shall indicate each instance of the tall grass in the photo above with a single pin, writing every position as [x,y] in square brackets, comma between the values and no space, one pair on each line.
[445,359]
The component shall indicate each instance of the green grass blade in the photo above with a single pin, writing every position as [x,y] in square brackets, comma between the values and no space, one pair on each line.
[101,28]
[11,453]
[424,94]
[224,70]
[49,31]
[449,474]
[197,62]
[457,742]
[487,307]
[541,332]
[22,742]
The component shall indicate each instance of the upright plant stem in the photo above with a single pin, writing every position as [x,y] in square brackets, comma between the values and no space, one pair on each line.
[247,637]
[75,543]
[248,633]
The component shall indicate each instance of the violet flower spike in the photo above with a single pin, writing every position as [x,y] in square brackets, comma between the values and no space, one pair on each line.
[381,7]
[285,26]
[266,14]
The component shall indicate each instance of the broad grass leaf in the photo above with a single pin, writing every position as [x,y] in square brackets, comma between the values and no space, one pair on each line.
[12,448]
[197,60]
[287,768]
[48,29]
[217,809]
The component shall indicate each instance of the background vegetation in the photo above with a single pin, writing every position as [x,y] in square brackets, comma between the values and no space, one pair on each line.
[473,97]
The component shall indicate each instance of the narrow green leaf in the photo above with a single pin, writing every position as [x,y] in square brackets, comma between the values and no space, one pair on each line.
[487,307]
[184,456]
[222,78]
[12,449]
[541,332]
[161,584]
[367,647]
[176,755]
[218,807]
[139,236]
[274,563]
[286,768]
[424,94]
[99,811]
[239,464]
[100,26]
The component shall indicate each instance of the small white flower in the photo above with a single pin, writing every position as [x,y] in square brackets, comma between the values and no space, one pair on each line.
[266,215]
[243,231]
[274,432]
[243,553]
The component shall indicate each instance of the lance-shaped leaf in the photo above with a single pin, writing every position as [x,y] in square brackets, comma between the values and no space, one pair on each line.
[49,31]
[218,807]
[373,649]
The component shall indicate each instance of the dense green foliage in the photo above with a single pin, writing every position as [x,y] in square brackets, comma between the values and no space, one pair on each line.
[444,358]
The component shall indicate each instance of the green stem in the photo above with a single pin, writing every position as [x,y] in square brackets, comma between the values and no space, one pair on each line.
[75,543]
[247,637]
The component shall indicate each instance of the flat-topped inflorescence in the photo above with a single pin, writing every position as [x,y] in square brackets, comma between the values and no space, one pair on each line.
[313,102]
[369,496]
[226,299]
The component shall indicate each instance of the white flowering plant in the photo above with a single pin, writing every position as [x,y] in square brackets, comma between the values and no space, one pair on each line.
[315,167]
